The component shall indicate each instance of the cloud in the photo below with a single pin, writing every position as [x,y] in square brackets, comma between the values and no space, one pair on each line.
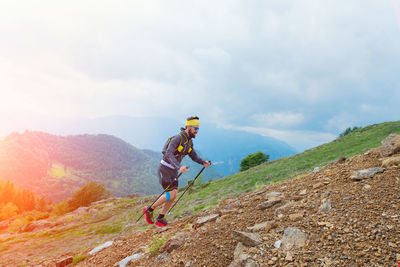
[300,140]
[305,65]
[278,119]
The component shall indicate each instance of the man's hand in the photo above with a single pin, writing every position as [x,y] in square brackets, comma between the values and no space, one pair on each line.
[183,169]
[206,164]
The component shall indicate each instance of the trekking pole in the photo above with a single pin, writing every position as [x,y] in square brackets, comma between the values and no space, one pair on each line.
[160,195]
[186,189]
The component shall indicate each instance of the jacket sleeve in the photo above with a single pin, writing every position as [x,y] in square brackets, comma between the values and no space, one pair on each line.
[169,153]
[193,155]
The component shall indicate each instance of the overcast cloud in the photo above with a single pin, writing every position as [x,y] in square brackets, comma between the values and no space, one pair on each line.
[300,71]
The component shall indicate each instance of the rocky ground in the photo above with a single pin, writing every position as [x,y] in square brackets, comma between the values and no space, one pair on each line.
[346,214]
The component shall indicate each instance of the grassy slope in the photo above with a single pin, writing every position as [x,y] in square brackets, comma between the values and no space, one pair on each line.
[357,142]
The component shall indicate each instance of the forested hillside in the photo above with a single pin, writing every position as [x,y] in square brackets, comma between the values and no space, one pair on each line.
[56,166]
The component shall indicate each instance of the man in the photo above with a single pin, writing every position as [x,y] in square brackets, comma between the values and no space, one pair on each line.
[176,148]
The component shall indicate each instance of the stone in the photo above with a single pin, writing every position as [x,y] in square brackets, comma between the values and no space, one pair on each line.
[125,261]
[101,247]
[64,262]
[293,237]
[239,253]
[363,174]
[258,227]
[235,204]
[392,161]
[251,263]
[163,256]
[325,207]
[296,216]
[273,195]
[269,203]
[248,239]
[391,145]
[203,220]
[271,225]
[289,256]
[317,185]
[175,242]
[81,211]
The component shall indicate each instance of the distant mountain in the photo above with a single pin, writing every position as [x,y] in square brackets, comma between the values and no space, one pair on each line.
[224,147]
[56,166]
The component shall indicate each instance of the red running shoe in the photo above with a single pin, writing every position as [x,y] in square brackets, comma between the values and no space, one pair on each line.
[149,215]
[161,222]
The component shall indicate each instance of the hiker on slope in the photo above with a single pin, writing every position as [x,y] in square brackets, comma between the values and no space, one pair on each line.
[176,148]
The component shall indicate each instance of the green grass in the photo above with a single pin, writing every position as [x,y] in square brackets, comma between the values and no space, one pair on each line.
[156,243]
[78,258]
[108,229]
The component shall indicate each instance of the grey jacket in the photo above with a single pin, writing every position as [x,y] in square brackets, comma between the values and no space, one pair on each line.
[173,156]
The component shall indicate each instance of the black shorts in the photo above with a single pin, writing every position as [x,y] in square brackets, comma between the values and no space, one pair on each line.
[167,175]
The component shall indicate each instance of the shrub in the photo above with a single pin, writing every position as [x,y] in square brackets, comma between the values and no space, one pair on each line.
[89,193]
[253,160]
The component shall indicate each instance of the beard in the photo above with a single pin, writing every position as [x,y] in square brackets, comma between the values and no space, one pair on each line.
[192,135]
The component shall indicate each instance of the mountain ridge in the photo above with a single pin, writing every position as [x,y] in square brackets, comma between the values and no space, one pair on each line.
[152,132]
[56,166]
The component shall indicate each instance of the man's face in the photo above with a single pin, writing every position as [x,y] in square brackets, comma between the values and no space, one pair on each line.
[193,130]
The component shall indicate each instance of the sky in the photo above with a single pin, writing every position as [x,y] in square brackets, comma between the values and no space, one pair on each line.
[301,71]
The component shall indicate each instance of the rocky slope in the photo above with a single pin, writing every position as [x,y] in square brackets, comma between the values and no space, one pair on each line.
[346,214]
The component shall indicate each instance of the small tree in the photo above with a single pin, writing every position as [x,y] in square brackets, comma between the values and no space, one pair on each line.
[253,160]
[349,130]
[89,193]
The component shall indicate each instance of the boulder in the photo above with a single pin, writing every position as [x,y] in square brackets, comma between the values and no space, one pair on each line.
[363,174]
[391,145]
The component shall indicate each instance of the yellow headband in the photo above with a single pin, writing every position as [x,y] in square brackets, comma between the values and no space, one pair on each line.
[193,122]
